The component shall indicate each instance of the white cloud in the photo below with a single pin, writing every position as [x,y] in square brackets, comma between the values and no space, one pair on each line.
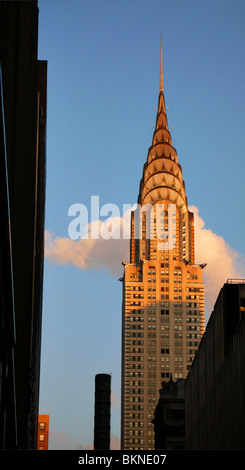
[88,253]
[223,262]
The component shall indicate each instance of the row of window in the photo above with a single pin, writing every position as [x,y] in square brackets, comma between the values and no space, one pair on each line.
[178,365]
[164,328]
[164,336]
[164,310]
[178,345]
[176,351]
[165,320]
[189,276]
[164,374]
[163,289]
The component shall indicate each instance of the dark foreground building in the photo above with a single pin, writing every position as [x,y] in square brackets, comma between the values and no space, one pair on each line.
[102,412]
[215,386]
[169,416]
[22,204]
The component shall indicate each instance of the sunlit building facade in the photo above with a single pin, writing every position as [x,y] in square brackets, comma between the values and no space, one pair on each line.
[163,292]
[43,432]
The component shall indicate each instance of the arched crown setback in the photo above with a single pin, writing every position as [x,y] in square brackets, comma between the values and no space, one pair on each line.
[162,158]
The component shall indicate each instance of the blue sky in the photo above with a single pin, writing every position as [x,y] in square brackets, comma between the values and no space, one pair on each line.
[103,83]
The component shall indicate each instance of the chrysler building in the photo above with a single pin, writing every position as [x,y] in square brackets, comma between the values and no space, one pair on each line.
[163,292]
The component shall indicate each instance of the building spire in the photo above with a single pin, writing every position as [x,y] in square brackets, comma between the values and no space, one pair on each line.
[161,72]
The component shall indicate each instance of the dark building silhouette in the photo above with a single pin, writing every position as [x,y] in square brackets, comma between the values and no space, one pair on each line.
[169,416]
[102,412]
[215,386]
[22,207]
